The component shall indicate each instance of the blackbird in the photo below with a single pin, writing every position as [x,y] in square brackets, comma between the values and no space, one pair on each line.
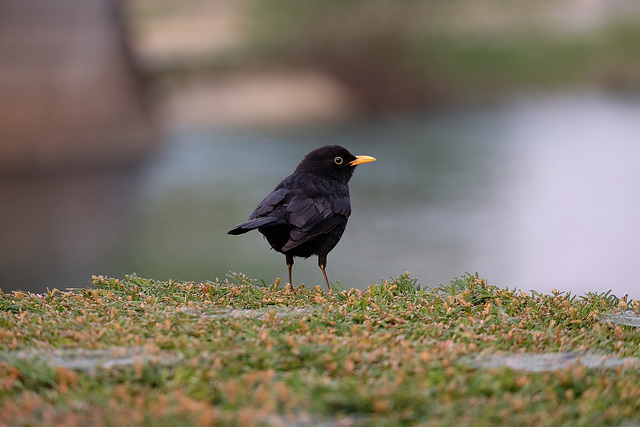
[307,212]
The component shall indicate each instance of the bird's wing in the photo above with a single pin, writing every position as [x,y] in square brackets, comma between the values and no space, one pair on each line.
[274,199]
[266,213]
[314,216]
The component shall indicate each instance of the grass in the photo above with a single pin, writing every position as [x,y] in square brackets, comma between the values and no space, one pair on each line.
[137,351]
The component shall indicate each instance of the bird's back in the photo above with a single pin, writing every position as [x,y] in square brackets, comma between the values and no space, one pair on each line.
[306,214]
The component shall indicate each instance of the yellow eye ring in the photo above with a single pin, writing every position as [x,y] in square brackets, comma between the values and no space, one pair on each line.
[338,160]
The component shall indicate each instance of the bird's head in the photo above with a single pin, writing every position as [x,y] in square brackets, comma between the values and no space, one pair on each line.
[332,160]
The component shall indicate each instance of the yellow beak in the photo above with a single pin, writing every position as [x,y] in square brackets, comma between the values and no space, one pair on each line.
[362,159]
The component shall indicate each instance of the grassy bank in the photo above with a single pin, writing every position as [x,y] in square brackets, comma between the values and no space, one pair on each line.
[238,352]
[397,56]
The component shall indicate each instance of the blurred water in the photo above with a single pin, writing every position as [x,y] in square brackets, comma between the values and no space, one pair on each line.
[541,193]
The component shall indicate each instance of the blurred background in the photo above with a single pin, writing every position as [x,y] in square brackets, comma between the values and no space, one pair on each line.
[134,134]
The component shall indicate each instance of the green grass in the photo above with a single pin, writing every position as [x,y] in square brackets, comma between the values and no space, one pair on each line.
[240,352]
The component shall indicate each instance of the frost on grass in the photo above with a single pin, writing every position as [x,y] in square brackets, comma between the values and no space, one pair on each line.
[90,360]
[546,362]
[628,318]
[243,313]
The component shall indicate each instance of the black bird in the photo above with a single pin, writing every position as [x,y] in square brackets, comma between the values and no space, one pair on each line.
[307,212]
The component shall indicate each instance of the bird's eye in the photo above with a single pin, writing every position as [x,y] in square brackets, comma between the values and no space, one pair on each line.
[338,160]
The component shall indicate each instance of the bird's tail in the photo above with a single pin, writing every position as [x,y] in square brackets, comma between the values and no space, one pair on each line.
[252,224]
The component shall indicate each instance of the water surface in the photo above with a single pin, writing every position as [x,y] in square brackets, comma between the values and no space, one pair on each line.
[540,193]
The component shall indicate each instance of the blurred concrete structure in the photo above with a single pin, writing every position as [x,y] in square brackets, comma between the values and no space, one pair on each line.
[70,95]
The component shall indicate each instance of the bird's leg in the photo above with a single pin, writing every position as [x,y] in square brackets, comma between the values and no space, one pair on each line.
[322,263]
[289,265]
